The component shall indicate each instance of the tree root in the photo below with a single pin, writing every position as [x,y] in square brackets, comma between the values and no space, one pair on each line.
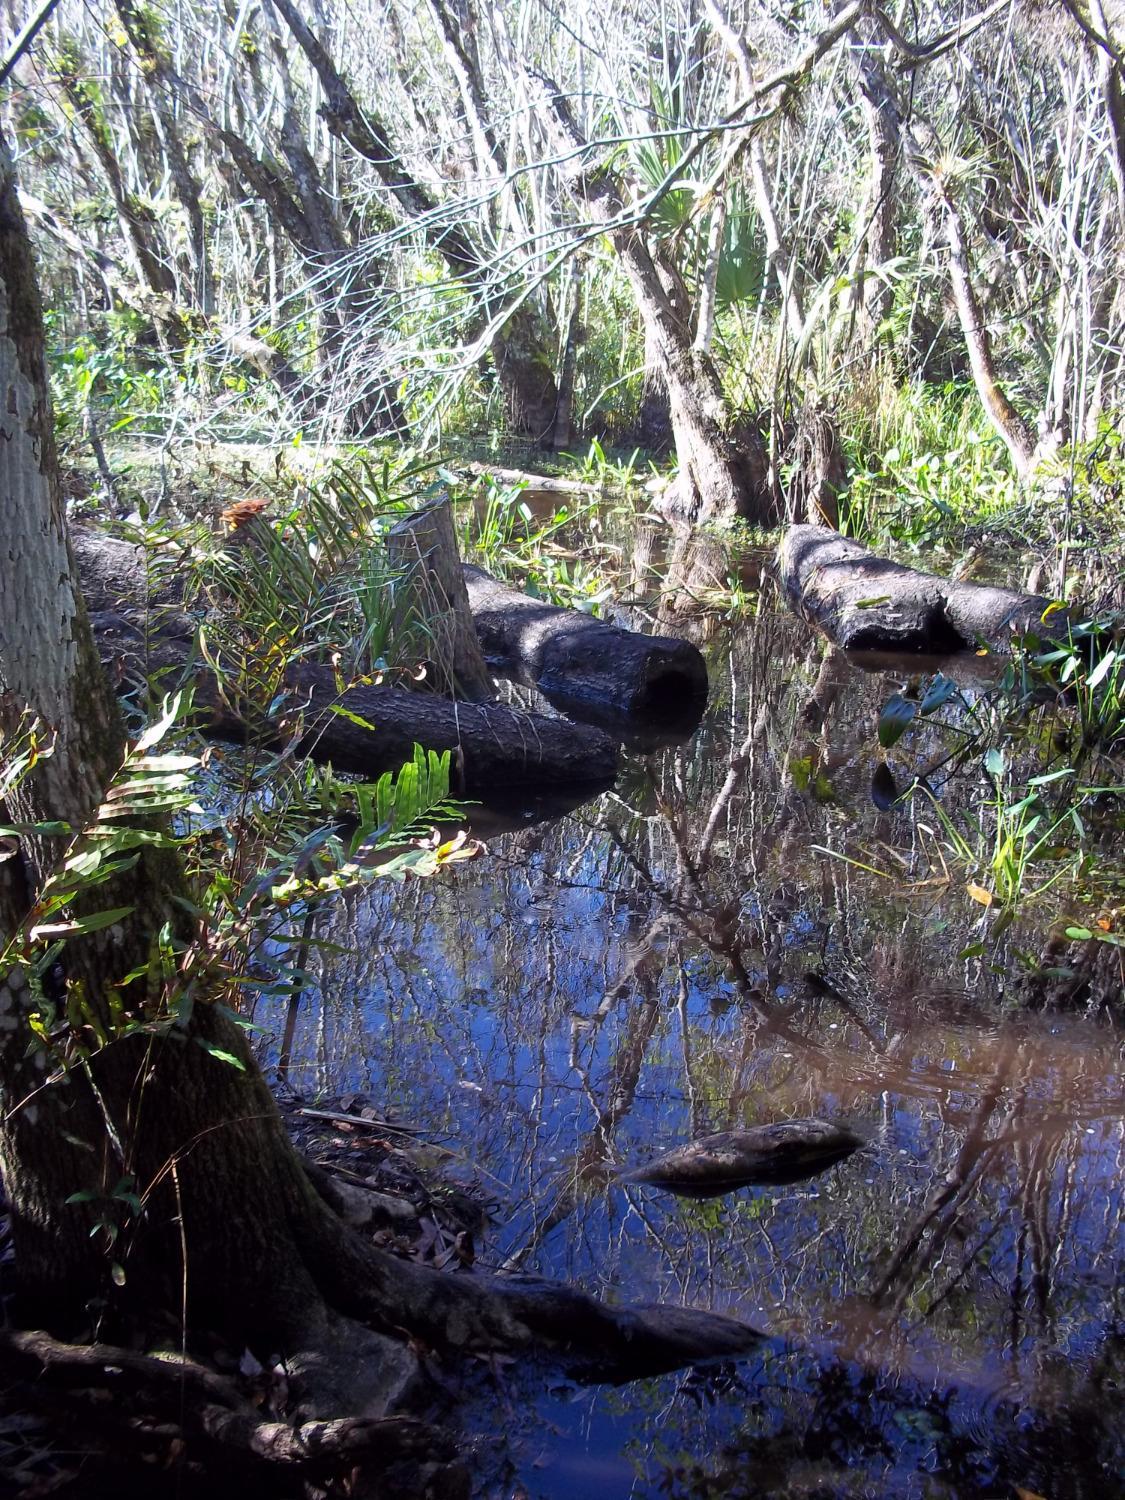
[478,1313]
[169,1402]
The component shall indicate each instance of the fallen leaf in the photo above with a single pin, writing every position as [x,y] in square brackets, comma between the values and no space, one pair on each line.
[978,893]
[242,512]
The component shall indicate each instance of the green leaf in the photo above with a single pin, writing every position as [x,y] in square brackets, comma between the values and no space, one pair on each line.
[1103,668]
[237,1020]
[896,718]
[39,830]
[357,719]
[83,863]
[939,691]
[226,1057]
[1079,934]
[151,763]
[156,732]
[80,925]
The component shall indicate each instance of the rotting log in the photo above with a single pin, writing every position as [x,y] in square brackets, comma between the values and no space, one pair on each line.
[573,658]
[764,1155]
[864,602]
[431,591]
[493,746]
[133,603]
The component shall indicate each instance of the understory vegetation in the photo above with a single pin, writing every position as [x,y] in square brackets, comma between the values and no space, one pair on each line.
[623,317]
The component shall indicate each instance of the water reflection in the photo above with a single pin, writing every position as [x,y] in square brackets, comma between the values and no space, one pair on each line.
[679,958]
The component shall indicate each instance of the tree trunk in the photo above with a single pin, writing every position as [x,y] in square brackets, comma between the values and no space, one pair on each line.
[517,351]
[873,295]
[723,466]
[1017,436]
[568,365]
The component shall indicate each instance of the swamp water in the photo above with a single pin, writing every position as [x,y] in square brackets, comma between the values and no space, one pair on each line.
[943,1312]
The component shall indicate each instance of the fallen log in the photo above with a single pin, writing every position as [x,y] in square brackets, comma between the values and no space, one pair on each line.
[864,602]
[537,484]
[133,598]
[573,658]
[370,729]
[764,1155]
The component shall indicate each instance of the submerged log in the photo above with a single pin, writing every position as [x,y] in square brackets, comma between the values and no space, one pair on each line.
[864,602]
[368,730]
[573,658]
[765,1155]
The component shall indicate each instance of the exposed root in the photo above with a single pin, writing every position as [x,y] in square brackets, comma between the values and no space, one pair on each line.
[169,1408]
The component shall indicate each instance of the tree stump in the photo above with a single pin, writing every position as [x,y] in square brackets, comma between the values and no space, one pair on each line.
[432,591]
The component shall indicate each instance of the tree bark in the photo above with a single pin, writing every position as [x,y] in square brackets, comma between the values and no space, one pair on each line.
[723,465]
[431,589]
[864,602]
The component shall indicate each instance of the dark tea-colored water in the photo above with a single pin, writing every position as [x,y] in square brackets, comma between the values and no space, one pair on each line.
[701,950]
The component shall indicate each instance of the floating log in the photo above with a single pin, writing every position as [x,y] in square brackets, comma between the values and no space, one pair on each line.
[865,602]
[573,658]
[368,730]
[764,1155]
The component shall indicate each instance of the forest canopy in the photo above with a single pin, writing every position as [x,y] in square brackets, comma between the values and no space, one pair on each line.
[439,219]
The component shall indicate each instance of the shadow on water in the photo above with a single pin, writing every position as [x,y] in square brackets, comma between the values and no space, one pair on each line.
[944,1308]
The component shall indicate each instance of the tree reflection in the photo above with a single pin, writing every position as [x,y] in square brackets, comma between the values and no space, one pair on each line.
[680,958]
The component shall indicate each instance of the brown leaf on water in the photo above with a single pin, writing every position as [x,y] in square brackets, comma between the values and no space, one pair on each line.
[978,893]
